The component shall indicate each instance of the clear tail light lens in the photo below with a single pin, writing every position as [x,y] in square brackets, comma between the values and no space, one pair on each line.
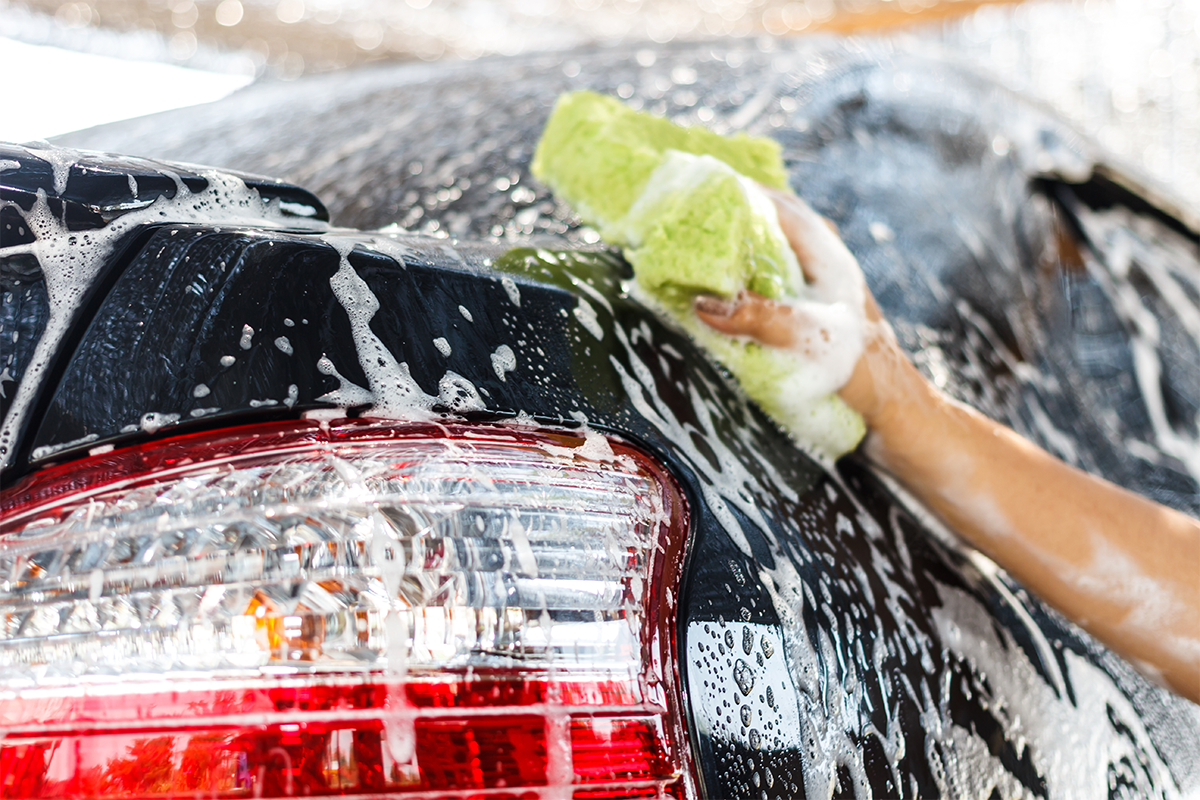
[347,609]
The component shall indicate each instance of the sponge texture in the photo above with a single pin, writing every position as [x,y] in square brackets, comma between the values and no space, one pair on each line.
[601,154]
[686,206]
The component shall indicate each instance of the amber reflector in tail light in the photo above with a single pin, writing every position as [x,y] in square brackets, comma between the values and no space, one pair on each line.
[351,609]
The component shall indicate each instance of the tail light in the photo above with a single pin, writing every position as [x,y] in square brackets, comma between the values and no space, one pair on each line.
[310,609]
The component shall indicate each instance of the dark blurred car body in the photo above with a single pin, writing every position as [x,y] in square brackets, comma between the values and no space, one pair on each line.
[829,639]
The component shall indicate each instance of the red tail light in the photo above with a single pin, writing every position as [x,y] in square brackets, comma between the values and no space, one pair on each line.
[359,609]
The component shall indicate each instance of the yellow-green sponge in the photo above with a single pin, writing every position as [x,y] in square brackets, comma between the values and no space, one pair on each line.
[686,206]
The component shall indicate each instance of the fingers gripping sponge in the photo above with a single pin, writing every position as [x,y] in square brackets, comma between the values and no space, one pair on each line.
[685,205]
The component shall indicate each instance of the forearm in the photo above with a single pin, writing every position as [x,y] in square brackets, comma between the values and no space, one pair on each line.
[1124,568]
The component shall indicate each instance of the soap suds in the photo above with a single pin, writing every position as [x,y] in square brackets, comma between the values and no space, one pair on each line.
[459,394]
[510,288]
[348,394]
[397,394]
[1126,253]
[152,421]
[587,318]
[1070,738]
[49,450]
[595,446]
[504,361]
[394,393]
[70,260]
[881,232]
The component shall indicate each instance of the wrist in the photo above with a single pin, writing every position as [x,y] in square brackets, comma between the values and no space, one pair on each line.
[903,423]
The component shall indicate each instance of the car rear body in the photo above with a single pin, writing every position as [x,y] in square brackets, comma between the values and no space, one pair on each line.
[728,617]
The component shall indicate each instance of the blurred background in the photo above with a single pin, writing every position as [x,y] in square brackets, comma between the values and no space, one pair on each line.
[1127,72]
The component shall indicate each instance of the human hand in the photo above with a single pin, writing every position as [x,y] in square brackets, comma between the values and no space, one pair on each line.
[839,320]
[1055,528]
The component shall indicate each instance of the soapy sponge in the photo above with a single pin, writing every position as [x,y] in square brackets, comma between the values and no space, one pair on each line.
[601,153]
[686,206]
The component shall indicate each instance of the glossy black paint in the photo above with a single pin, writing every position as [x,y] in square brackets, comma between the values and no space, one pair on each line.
[94,188]
[85,192]
[969,182]
[179,305]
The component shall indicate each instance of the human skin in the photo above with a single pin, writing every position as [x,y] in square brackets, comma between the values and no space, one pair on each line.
[1124,568]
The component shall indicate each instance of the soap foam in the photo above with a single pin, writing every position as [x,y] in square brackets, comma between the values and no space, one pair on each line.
[71,260]
[394,393]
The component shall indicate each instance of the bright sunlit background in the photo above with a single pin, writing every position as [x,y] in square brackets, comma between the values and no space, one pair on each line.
[1125,71]
[65,95]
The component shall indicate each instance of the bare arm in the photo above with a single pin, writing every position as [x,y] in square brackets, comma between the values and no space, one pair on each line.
[1124,568]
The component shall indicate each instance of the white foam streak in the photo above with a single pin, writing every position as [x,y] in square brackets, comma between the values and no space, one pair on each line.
[71,260]
[396,393]
[587,318]
[393,393]
[728,483]
[1068,739]
[1125,253]
[504,361]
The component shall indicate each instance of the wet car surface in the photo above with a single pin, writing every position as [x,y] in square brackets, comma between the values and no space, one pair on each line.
[832,640]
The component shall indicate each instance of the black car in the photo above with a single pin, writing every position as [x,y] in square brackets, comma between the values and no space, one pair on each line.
[299,510]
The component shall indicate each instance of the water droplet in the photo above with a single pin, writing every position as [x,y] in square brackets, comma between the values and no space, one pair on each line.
[743,676]
[755,739]
[745,715]
[729,639]
[747,640]
[770,698]
[767,648]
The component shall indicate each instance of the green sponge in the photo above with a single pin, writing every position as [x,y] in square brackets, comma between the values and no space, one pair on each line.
[685,205]
[601,153]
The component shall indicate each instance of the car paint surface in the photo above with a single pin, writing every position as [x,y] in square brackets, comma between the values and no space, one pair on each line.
[835,642]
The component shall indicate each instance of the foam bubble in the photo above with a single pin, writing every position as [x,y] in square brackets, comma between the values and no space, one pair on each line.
[71,260]
[504,361]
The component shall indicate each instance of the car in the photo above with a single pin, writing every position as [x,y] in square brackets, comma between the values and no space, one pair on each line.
[440,509]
